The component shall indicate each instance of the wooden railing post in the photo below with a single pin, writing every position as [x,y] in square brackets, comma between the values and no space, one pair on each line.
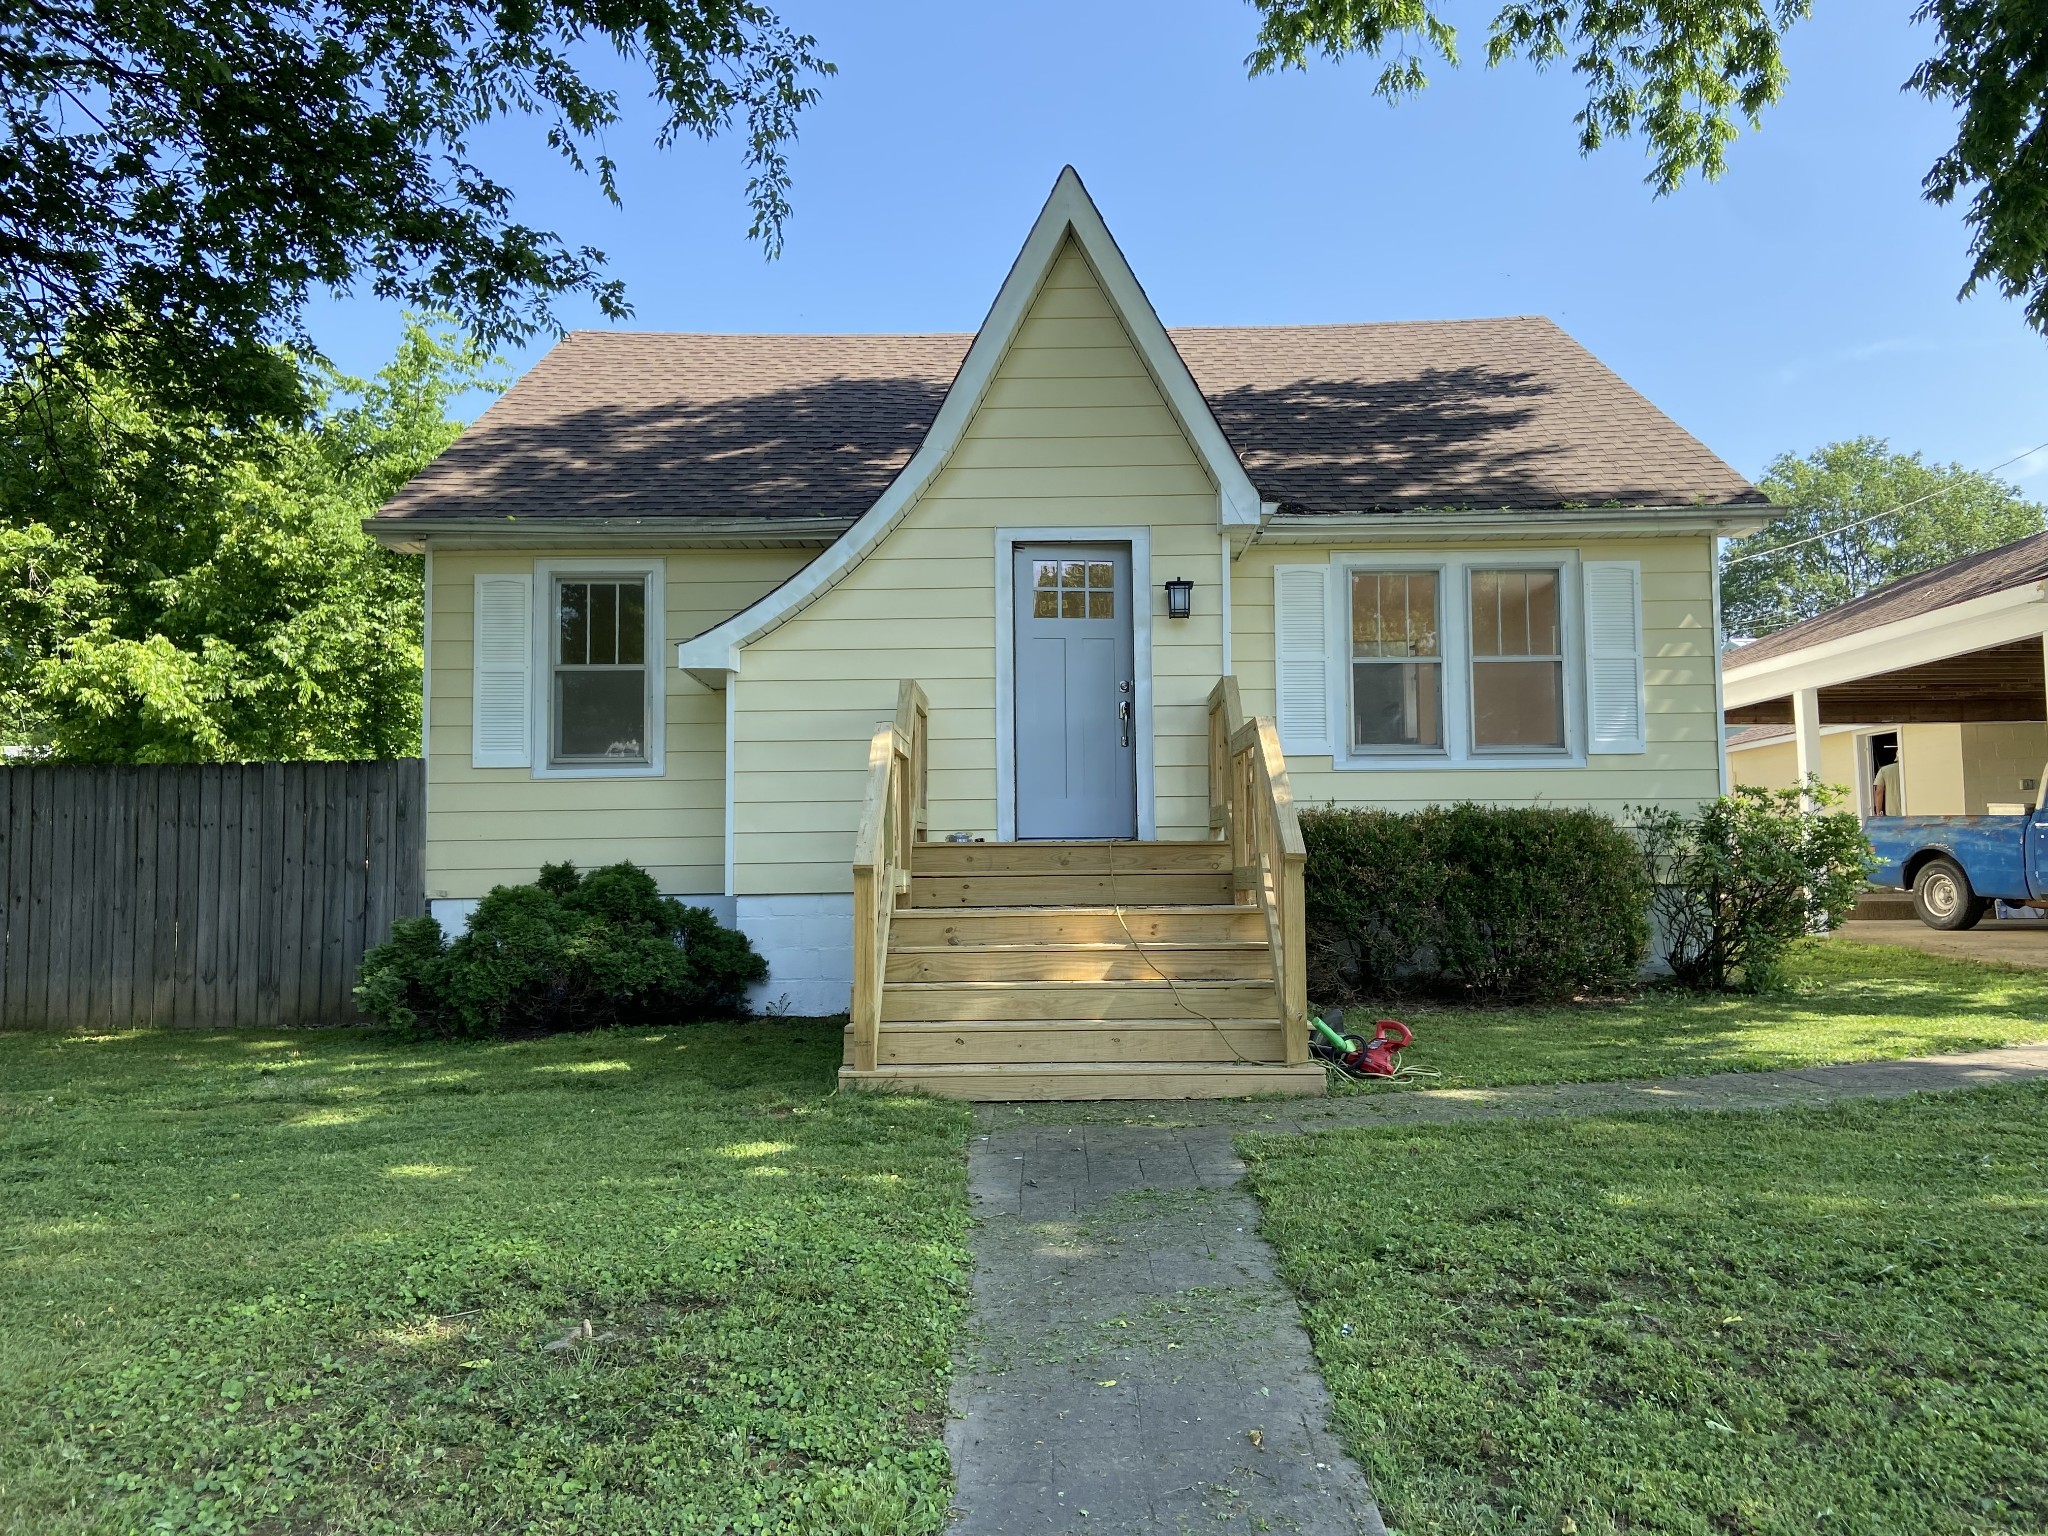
[892,823]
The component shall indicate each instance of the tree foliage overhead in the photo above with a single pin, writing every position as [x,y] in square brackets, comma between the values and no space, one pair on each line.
[1687,75]
[177,177]
[1860,516]
[175,587]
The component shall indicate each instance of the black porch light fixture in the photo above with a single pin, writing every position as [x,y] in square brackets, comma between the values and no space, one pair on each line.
[1180,598]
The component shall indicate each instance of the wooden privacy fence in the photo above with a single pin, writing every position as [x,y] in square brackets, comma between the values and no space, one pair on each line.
[203,895]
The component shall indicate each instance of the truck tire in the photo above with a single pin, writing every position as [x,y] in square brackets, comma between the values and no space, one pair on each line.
[1942,897]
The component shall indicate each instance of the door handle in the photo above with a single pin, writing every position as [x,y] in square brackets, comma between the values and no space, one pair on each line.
[1123,722]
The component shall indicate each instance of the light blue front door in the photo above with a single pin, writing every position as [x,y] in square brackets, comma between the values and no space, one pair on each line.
[1076,726]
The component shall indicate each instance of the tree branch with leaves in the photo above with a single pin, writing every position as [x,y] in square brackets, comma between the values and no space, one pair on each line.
[1688,75]
[178,178]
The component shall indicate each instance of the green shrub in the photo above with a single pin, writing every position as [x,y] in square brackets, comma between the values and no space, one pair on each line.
[1502,902]
[1751,873]
[567,952]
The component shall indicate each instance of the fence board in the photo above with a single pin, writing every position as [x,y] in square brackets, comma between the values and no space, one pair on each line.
[13,957]
[200,896]
[43,902]
[117,854]
[270,821]
[142,913]
[163,966]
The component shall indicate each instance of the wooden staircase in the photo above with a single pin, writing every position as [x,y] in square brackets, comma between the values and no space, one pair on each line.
[1078,971]
[1046,970]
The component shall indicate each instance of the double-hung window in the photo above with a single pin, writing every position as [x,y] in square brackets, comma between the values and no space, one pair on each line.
[598,660]
[1397,665]
[1517,660]
[1459,658]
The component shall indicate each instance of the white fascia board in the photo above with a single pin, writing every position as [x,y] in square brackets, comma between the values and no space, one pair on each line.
[1068,210]
[1578,522]
[1974,625]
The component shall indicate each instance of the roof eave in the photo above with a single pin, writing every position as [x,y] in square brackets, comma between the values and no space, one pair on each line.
[1955,629]
[415,535]
[1728,521]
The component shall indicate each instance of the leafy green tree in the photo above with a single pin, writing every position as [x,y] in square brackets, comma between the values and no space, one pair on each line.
[178,178]
[1860,516]
[1687,74]
[175,587]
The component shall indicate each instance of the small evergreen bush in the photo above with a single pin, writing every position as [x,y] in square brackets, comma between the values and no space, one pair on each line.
[1502,902]
[1751,873]
[569,952]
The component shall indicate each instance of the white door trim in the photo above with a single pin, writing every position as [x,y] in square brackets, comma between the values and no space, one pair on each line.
[1007,540]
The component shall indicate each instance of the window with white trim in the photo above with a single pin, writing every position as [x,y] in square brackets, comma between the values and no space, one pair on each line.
[1483,659]
[1517,660]
[599,706]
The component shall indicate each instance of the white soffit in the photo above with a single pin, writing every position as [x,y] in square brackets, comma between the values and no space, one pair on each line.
[1976,624]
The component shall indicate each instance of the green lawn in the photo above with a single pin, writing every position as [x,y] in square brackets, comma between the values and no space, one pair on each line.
[283,1283]
[1845,1002]
[1799,1321]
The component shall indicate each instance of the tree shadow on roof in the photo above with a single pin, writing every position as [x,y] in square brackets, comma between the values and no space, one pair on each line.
[1470,436]
[824,449]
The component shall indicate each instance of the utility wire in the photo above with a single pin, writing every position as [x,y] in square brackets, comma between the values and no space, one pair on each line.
[1904,506]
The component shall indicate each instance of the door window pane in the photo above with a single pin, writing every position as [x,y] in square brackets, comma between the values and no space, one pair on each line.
[1396,670]
[1073,589]
[1517,662]
[600,671]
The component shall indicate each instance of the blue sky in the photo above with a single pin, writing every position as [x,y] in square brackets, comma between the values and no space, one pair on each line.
[1808,296]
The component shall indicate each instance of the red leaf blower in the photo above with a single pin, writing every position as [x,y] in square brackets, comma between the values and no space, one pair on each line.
[1357,1055]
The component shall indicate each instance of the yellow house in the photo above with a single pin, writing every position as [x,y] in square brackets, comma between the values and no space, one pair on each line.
[975,677]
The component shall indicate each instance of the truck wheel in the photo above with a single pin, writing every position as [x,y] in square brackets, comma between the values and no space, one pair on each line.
[1942,897]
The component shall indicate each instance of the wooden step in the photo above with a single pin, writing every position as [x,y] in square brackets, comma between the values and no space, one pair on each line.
[1093,1001]
[1246,961]
[1063,888]
[1156,922]
[1154,1041]
[1069,858]
[1012,1082]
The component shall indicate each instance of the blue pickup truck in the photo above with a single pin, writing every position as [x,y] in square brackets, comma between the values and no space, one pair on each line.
[1956,866]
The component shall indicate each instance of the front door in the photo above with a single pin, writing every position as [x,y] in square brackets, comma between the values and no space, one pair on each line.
[1077,726]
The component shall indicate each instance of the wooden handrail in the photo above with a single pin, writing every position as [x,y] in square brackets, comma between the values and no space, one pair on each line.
[1252,805]
[892,819]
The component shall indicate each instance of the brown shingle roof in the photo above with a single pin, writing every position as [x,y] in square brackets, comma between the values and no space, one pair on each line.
[1326,418]
[1996,570]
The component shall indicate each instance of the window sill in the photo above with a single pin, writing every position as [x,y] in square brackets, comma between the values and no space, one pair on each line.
[598,771]
[1444,763]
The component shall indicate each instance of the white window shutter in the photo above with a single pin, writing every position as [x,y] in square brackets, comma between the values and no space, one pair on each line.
[1614,655]
[1301,656]
[501,732]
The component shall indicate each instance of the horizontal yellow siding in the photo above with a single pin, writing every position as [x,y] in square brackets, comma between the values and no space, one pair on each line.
[1072,433]
[494,826]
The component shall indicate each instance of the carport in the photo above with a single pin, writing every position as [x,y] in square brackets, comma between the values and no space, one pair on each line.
[1963,645]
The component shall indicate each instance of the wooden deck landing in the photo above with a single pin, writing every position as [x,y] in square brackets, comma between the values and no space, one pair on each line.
[1078,971]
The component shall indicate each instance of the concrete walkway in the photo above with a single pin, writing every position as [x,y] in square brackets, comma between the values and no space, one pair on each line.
[1137,1366]
[2010,941]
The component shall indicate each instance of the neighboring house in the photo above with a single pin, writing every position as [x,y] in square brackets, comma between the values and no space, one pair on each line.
[675,582]
[1944,673]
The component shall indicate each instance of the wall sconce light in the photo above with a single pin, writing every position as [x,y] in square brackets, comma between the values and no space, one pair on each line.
[1180,598]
